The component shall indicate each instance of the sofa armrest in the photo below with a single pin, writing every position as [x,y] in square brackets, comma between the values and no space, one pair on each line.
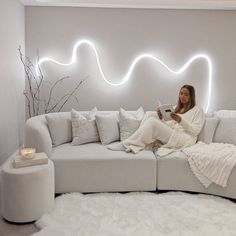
[37,135]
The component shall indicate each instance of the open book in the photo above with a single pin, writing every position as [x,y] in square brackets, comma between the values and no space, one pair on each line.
[166,110]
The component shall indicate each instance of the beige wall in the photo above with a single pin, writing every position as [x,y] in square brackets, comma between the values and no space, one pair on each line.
[122,34]
[12,28]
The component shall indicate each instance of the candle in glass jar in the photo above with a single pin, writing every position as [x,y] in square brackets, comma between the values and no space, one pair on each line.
[27,153]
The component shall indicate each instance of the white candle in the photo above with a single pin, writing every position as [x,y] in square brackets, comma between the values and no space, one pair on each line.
[27,153]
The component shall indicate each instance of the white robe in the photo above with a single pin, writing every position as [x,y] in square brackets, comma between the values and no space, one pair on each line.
[182,134]
[185,133]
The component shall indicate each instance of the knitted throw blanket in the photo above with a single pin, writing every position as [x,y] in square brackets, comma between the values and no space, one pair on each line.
[211,163]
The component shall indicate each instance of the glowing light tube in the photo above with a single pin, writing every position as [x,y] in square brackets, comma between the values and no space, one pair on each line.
[133,64]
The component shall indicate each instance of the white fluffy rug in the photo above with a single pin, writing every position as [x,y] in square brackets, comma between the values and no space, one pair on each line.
[139,214]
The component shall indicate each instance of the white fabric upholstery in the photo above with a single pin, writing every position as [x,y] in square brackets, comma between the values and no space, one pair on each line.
[226,131]
[208,130]
[60,127]
[94,168]
[37,135]
[153,129]
[26,193]
[108,127]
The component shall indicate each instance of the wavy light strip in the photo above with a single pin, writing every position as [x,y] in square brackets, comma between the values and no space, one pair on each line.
[132,66]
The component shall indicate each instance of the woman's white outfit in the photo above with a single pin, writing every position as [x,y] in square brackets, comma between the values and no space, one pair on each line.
[170,133]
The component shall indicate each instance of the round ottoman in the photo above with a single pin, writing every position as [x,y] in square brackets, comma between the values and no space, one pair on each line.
[27,192]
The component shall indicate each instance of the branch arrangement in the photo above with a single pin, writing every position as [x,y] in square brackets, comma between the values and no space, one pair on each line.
[35,82]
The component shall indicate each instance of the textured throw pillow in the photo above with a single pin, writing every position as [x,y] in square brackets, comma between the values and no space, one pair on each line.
[129,122]
[208,129]
[59,125]
[108,128]
[226,131]
[84,128]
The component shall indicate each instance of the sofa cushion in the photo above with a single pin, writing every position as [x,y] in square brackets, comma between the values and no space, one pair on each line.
[226,131]
[93,168]
[59,126]
[108,127]
[84,128]
[207,133]
[129,122]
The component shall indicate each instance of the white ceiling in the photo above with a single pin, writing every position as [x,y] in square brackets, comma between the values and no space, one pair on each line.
[156,4]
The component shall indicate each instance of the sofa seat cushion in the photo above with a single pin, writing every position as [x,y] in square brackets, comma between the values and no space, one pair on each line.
[93,168]
[174,173]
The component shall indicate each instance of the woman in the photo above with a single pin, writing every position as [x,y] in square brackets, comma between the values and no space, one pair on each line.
[182,131]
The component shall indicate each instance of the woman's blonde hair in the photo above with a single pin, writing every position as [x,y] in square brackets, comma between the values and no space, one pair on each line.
[192,101]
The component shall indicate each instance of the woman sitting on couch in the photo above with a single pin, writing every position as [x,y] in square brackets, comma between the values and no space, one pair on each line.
[182,131]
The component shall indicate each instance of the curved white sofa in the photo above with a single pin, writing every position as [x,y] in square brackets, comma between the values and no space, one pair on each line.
[93,168]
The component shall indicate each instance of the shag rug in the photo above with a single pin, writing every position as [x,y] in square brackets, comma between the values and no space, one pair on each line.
[139,214]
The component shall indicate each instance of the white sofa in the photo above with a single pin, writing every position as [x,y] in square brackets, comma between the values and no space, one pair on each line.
[92,167]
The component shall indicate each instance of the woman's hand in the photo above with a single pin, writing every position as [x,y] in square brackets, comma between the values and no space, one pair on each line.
[159,114]
[176,117]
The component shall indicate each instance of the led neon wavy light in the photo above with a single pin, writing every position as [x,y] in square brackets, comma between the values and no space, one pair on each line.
[134,63]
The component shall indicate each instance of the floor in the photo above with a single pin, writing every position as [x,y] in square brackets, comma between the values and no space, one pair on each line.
[10,229]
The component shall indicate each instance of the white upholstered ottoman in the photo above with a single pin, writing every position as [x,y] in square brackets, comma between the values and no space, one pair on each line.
[27,192]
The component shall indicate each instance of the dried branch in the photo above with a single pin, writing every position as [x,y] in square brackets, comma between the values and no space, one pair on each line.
[68,97]
[35,81]
[51,91]
[28,76]
[28,102]
[71,94]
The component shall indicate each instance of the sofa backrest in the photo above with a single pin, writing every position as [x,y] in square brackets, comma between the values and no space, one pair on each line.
[225,113]
[219,129]
[208,131]
[226,131]
[45,131]
[37,135]
[60,125]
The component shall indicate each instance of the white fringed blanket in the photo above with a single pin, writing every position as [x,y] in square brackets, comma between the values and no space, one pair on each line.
[211,163]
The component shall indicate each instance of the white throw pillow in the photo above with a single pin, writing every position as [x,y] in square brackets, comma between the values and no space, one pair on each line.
[207,133]
[108,128]
[226,131]
[129,122]
[59,125]
[84,128]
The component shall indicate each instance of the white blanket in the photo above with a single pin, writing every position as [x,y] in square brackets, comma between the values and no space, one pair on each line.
[211,162]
